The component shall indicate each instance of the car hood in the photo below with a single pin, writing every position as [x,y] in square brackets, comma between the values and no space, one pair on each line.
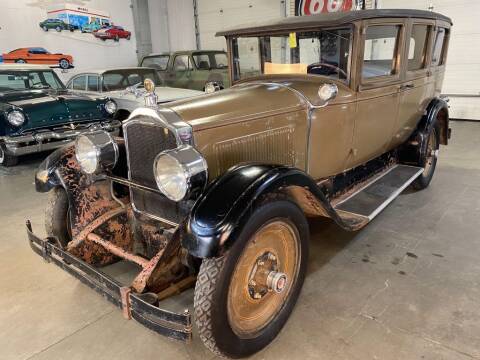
[165,94]
[47,108]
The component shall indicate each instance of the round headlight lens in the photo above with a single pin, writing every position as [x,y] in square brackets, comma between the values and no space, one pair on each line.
[87,154]
[16,118]
[211,87]
[327,92]
[171,177]
[110,107]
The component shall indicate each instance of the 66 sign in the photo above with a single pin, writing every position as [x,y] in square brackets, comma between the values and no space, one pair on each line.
[311,7]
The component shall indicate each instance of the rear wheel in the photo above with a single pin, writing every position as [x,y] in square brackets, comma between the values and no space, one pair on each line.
[57,219]
[64,63]
[6,159]
[58,28]
[116,38]
[45,28]
[243,299]
[429,159]
[20,61]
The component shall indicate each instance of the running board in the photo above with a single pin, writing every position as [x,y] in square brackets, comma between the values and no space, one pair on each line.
[371,199]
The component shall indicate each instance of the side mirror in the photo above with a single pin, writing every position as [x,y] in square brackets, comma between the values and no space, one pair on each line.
[327,92]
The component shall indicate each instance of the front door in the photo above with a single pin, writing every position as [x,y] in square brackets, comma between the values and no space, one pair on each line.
[182,72]
[378,91]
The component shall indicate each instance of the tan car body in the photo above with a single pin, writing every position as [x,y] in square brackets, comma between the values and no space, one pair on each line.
[279,118]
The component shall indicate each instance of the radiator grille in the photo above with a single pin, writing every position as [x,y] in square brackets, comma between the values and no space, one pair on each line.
[144,143]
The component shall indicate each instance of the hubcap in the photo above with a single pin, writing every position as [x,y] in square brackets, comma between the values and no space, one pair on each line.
[263,278]
[2,155]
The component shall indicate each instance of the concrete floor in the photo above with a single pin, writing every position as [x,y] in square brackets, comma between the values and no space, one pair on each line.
[405,287]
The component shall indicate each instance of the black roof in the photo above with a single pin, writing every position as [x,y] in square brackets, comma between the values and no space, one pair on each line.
[331,19]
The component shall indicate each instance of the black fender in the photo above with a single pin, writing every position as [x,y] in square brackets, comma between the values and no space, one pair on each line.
[436,114]
[47,175]
[224,208]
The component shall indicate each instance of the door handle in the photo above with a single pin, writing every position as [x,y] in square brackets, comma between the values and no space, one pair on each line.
[407,86]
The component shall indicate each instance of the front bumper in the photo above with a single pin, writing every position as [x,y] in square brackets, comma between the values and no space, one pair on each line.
[50,140]
[134,305]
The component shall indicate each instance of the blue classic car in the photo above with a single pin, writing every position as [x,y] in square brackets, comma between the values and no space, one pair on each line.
[38,113]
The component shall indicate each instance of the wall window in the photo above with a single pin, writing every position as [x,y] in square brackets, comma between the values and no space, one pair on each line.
[418,47]
[439,47]
[92,83]
[182,63]
[381,46]
[79,83]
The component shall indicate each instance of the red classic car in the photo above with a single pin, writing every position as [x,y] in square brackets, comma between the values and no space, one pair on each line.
[113,32]
[38,55]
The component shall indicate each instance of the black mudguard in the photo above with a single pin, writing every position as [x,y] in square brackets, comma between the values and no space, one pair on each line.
[225,207]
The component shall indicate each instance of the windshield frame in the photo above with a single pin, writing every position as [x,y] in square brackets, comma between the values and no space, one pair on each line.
[17,72]
[125,73]
[348,26]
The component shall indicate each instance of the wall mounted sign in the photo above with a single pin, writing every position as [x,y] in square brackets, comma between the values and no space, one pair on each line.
[312,7]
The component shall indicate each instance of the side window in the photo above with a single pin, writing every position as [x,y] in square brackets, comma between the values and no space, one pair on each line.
[92,83]
[381,46]
[439,47]
[418,47]
[181,63]
[79,83]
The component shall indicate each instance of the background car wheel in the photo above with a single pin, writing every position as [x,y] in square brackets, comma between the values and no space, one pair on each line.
[6,159]
[429,157]
[104,39]
[243,299]
[64,64]
[116,38]
[45,28]
[58,28]
[20,61]
[57,219]
[128,37]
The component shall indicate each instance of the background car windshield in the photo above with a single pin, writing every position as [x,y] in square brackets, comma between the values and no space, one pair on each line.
[29,80]
[324,52]
[209,61]
[156,62]
[119,80]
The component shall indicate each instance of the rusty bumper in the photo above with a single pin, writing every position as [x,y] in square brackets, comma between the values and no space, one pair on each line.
[134,305]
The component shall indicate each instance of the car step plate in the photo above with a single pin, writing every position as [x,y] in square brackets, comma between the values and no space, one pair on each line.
[370,200]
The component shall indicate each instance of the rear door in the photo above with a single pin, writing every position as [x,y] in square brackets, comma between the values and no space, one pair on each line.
[417,87]
[379,72]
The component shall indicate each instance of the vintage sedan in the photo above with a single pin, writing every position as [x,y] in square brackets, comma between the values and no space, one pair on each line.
[38,55]
[329,115]
[125,86]
[37,113]
[56,24]
[205,70]
[113,33]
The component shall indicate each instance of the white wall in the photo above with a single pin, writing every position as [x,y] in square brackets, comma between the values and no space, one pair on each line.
[19,28]
[463,65]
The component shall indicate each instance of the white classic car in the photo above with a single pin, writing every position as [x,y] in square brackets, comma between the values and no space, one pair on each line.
[125,87]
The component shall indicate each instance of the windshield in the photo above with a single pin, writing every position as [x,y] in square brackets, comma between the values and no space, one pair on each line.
[120,80]
[14,80]
[323,52]
[156,62]
[209,61]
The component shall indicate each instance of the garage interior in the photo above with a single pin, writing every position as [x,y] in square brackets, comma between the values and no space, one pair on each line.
[405,287]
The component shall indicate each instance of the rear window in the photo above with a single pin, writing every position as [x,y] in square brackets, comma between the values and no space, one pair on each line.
[439,48]
[418,47]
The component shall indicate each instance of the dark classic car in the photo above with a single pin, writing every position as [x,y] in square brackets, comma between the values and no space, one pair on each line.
[329,116]
[204,70]
[37,113]
[57,24]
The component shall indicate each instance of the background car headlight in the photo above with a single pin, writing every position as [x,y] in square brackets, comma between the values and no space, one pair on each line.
[180,173]
[96,151]
[110,107]
[16,118]
[211,87]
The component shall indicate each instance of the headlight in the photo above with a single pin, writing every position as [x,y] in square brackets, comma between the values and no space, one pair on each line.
[16,118]
[211,87]
[96,151]
[327,92]
[181,172]
[110,107]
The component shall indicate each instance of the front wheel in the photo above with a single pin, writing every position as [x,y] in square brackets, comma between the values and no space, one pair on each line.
[58,28]
[64,64]
[6,159]
[57,219]
[429,156]
[243,299]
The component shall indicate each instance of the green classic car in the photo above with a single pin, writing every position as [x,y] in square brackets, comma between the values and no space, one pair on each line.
[205,70]
[56,24]
[37,113]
